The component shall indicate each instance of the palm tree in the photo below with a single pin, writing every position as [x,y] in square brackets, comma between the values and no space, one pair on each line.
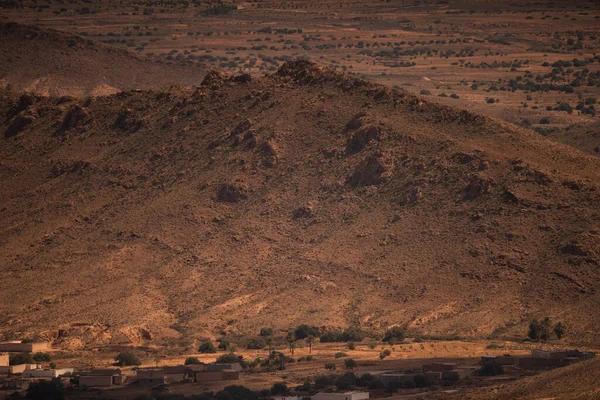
[291,339]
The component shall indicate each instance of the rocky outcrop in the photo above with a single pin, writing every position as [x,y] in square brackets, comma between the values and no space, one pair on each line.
[374,169]
[232,192]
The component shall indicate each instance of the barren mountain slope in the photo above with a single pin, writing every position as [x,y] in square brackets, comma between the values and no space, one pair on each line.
[75,66]
[579,381]
[303,197]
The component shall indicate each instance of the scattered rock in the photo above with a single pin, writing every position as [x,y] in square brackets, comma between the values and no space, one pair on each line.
[374,169]
[75,116]
[477,186]
[214,79]
[242,78]
[126,121]
[362,137]
[62,168]
[304,211]
[18,124]
[357,121]
[241,127]
[414,194]
[270,153]
[232,192]
[574,249]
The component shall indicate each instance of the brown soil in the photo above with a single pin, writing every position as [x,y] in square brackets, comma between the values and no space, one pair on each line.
[450,223]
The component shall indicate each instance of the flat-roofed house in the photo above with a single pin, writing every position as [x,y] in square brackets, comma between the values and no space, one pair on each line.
[341,396]
[20,347]
[101,377]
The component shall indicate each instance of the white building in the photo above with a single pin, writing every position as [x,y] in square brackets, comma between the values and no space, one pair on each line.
[341,396]
[46,373]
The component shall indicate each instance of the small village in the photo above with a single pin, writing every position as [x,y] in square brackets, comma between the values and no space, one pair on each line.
[358,381]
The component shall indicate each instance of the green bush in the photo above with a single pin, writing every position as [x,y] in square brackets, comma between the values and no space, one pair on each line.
[207,347]
[349,363]
[330,366]
[303,331]
[266,332]
[41,357]
[127,358]
[340,354]
[192,361]
[351,346]
[279,388]
[394,335]
[385,353]
[256,344]
[224,344]
[21,358]
[491,369]
[350,334]
[228,358]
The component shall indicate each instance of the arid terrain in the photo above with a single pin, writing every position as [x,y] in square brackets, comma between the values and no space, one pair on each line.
[181,171]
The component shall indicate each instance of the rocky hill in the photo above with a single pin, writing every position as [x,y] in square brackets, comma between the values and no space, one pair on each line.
[75,66]
[306,196]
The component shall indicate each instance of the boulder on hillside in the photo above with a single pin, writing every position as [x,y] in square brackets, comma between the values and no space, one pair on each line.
[374,169]
[362,137]
[18,124]
[304,211]
[214,79]
[73,118]
[232,192]
[269,152]
[241,127]
[477,186]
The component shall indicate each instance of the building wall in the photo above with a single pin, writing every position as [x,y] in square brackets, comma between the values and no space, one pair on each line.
[230,375]
[23,347]
[359,396]
[4,359]
[438,367]
[209,376]
[95,380]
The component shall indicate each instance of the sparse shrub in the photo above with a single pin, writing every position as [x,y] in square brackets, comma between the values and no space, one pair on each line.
[228,358]
[207,347]
[330,366]
[394,335]
[127,358]
[351,346]
[41,357]
[256,344]
[544,121]
[372,346]
[21,358]
[559,330]
[303,331]
[266,332]
[309,358]
[490,100]
[340,354]
[425,92]
[491,369]
[224,344]
[192,361]
[279,388]
[45,390]
[385,353]
[349,363]
[539,330]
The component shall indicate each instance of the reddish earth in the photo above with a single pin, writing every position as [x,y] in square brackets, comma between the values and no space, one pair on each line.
[54,63]
[306,196]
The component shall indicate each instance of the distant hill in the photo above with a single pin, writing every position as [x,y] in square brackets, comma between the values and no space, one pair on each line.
[54,63]
[306,196]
